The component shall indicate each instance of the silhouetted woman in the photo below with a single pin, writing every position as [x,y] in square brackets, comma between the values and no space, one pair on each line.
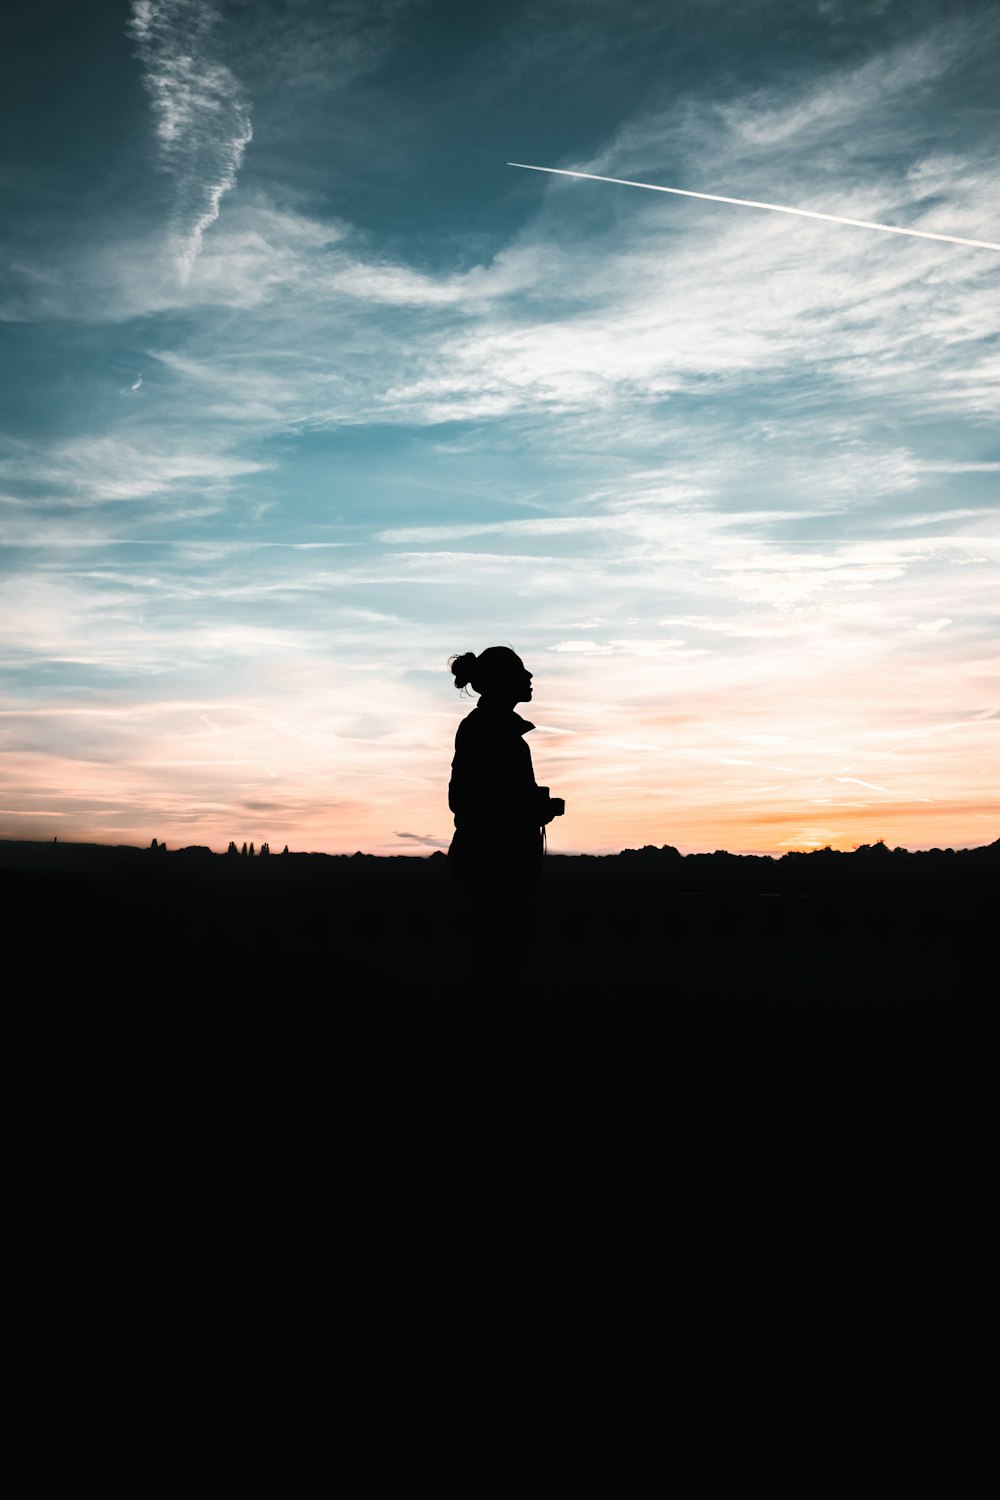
[499,808]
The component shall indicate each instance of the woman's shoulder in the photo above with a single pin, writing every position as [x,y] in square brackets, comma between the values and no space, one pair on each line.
[489,731]
[470,727]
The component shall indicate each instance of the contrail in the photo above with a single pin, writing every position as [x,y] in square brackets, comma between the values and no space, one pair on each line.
[778,208]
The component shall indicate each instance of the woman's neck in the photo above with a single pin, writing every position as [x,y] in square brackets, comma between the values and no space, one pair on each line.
[497,703]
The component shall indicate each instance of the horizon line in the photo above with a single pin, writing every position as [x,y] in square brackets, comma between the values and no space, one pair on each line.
[159,847]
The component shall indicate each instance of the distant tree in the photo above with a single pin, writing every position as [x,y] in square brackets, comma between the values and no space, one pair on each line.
[285,850]
[244,848]
[153,845]
[251,851]
[232,847]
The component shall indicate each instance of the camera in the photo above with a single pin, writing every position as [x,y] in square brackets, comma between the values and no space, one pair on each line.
[549,807]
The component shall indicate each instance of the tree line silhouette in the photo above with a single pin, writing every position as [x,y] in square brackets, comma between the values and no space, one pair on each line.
[652,867]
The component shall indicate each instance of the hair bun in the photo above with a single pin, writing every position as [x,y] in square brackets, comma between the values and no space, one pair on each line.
[463,668]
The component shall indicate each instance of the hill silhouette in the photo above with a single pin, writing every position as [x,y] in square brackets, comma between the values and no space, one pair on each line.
[871,927]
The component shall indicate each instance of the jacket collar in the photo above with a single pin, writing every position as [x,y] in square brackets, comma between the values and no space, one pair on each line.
[503,715]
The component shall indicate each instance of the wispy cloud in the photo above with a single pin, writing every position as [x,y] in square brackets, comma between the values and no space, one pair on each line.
[202,114]
[96,470]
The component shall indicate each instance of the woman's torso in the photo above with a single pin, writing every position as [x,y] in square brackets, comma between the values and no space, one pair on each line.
[493,793]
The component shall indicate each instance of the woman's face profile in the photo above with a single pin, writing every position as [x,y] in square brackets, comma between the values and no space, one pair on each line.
[521,680]
[507,680]
[514,686]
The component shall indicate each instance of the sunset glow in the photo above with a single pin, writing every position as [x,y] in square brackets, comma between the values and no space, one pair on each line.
[306,390]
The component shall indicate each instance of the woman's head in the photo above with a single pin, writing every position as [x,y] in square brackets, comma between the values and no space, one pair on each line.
[498,673]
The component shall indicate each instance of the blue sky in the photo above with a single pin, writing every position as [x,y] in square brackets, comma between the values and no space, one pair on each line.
[304,389]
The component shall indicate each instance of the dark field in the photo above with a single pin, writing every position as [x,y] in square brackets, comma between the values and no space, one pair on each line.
[697,934]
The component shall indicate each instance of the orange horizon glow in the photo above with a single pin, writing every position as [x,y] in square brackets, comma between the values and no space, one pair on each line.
[300,770]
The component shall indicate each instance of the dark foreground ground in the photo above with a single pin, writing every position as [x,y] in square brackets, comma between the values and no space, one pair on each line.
[698,934]
[256,1100]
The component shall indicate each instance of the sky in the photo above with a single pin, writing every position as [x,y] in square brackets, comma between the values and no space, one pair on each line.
[303,390]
